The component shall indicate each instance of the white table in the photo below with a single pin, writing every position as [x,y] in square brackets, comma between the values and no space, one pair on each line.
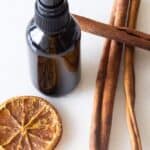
[76,107]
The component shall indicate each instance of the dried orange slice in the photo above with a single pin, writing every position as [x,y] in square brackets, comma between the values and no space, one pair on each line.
[29,123]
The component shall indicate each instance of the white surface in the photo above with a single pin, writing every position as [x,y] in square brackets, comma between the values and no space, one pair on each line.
[76,107]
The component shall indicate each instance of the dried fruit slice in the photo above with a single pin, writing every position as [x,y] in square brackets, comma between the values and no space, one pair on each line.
[29,123]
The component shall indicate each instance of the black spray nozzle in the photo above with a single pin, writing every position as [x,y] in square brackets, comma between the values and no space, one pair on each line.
[52,15]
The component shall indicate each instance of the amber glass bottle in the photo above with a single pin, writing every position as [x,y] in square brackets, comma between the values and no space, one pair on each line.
[53,37]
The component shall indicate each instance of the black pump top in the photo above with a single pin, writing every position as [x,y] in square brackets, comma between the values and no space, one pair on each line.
[51,16]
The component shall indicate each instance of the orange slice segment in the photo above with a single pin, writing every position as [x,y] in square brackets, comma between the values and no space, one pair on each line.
[37,143]
[29,123]
[13,144]
[16,110]
[32,107]
[6,119]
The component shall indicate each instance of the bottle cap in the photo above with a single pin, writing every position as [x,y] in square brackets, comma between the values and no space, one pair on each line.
[51,16]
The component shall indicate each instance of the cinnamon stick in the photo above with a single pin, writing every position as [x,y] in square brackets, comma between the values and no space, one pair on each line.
[129,82]
[112,76]
[121,34]
[100,81]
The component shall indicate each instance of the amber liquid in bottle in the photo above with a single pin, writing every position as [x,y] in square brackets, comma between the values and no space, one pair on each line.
[55,59]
